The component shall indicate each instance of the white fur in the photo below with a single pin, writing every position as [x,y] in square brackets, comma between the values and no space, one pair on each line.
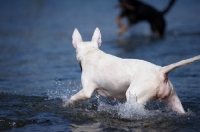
[118,78]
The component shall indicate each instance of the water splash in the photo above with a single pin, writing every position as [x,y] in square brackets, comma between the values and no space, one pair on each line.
[63,90]
[128,110]
[132,110]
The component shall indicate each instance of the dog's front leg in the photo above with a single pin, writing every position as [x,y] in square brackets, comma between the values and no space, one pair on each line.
[84,94]
[124,29]
[119,21]
[80,96]
[87,90]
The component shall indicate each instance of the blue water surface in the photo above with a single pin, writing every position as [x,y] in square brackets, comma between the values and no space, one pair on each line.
[39,68]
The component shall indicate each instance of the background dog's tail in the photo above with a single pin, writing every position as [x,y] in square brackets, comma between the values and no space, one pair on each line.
[166,69]
[168,7]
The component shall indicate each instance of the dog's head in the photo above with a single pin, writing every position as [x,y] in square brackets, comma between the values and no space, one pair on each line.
[79,44]
[82,47]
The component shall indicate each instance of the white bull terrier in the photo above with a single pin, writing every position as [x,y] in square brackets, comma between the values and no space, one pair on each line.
[118,78]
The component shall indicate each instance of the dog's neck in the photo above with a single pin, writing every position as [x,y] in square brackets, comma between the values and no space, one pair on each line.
[82,53]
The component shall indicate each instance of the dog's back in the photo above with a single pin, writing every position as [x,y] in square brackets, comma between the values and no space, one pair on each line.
[104,67]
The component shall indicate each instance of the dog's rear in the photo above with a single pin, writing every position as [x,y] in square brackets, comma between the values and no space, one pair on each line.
[166,92]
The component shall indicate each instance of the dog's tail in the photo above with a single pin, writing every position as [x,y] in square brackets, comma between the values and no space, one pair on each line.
[168,7]
[166,69]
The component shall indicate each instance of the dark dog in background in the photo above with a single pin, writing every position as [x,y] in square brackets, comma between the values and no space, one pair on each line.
[136,11]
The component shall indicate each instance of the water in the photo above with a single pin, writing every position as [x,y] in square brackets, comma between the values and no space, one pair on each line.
[39,68]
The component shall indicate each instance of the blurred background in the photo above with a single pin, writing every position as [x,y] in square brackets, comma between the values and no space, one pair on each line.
[39,67]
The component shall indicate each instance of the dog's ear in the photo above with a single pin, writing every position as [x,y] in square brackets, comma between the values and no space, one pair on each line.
[76,38]
[97,37]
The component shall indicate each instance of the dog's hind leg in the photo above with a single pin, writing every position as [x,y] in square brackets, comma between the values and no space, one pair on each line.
[174,103]
[141,93]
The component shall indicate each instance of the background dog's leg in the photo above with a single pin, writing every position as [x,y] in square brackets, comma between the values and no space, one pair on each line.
[123,29]
[119,21]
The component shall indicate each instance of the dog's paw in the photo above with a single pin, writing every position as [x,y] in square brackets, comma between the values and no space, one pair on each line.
[67,103]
